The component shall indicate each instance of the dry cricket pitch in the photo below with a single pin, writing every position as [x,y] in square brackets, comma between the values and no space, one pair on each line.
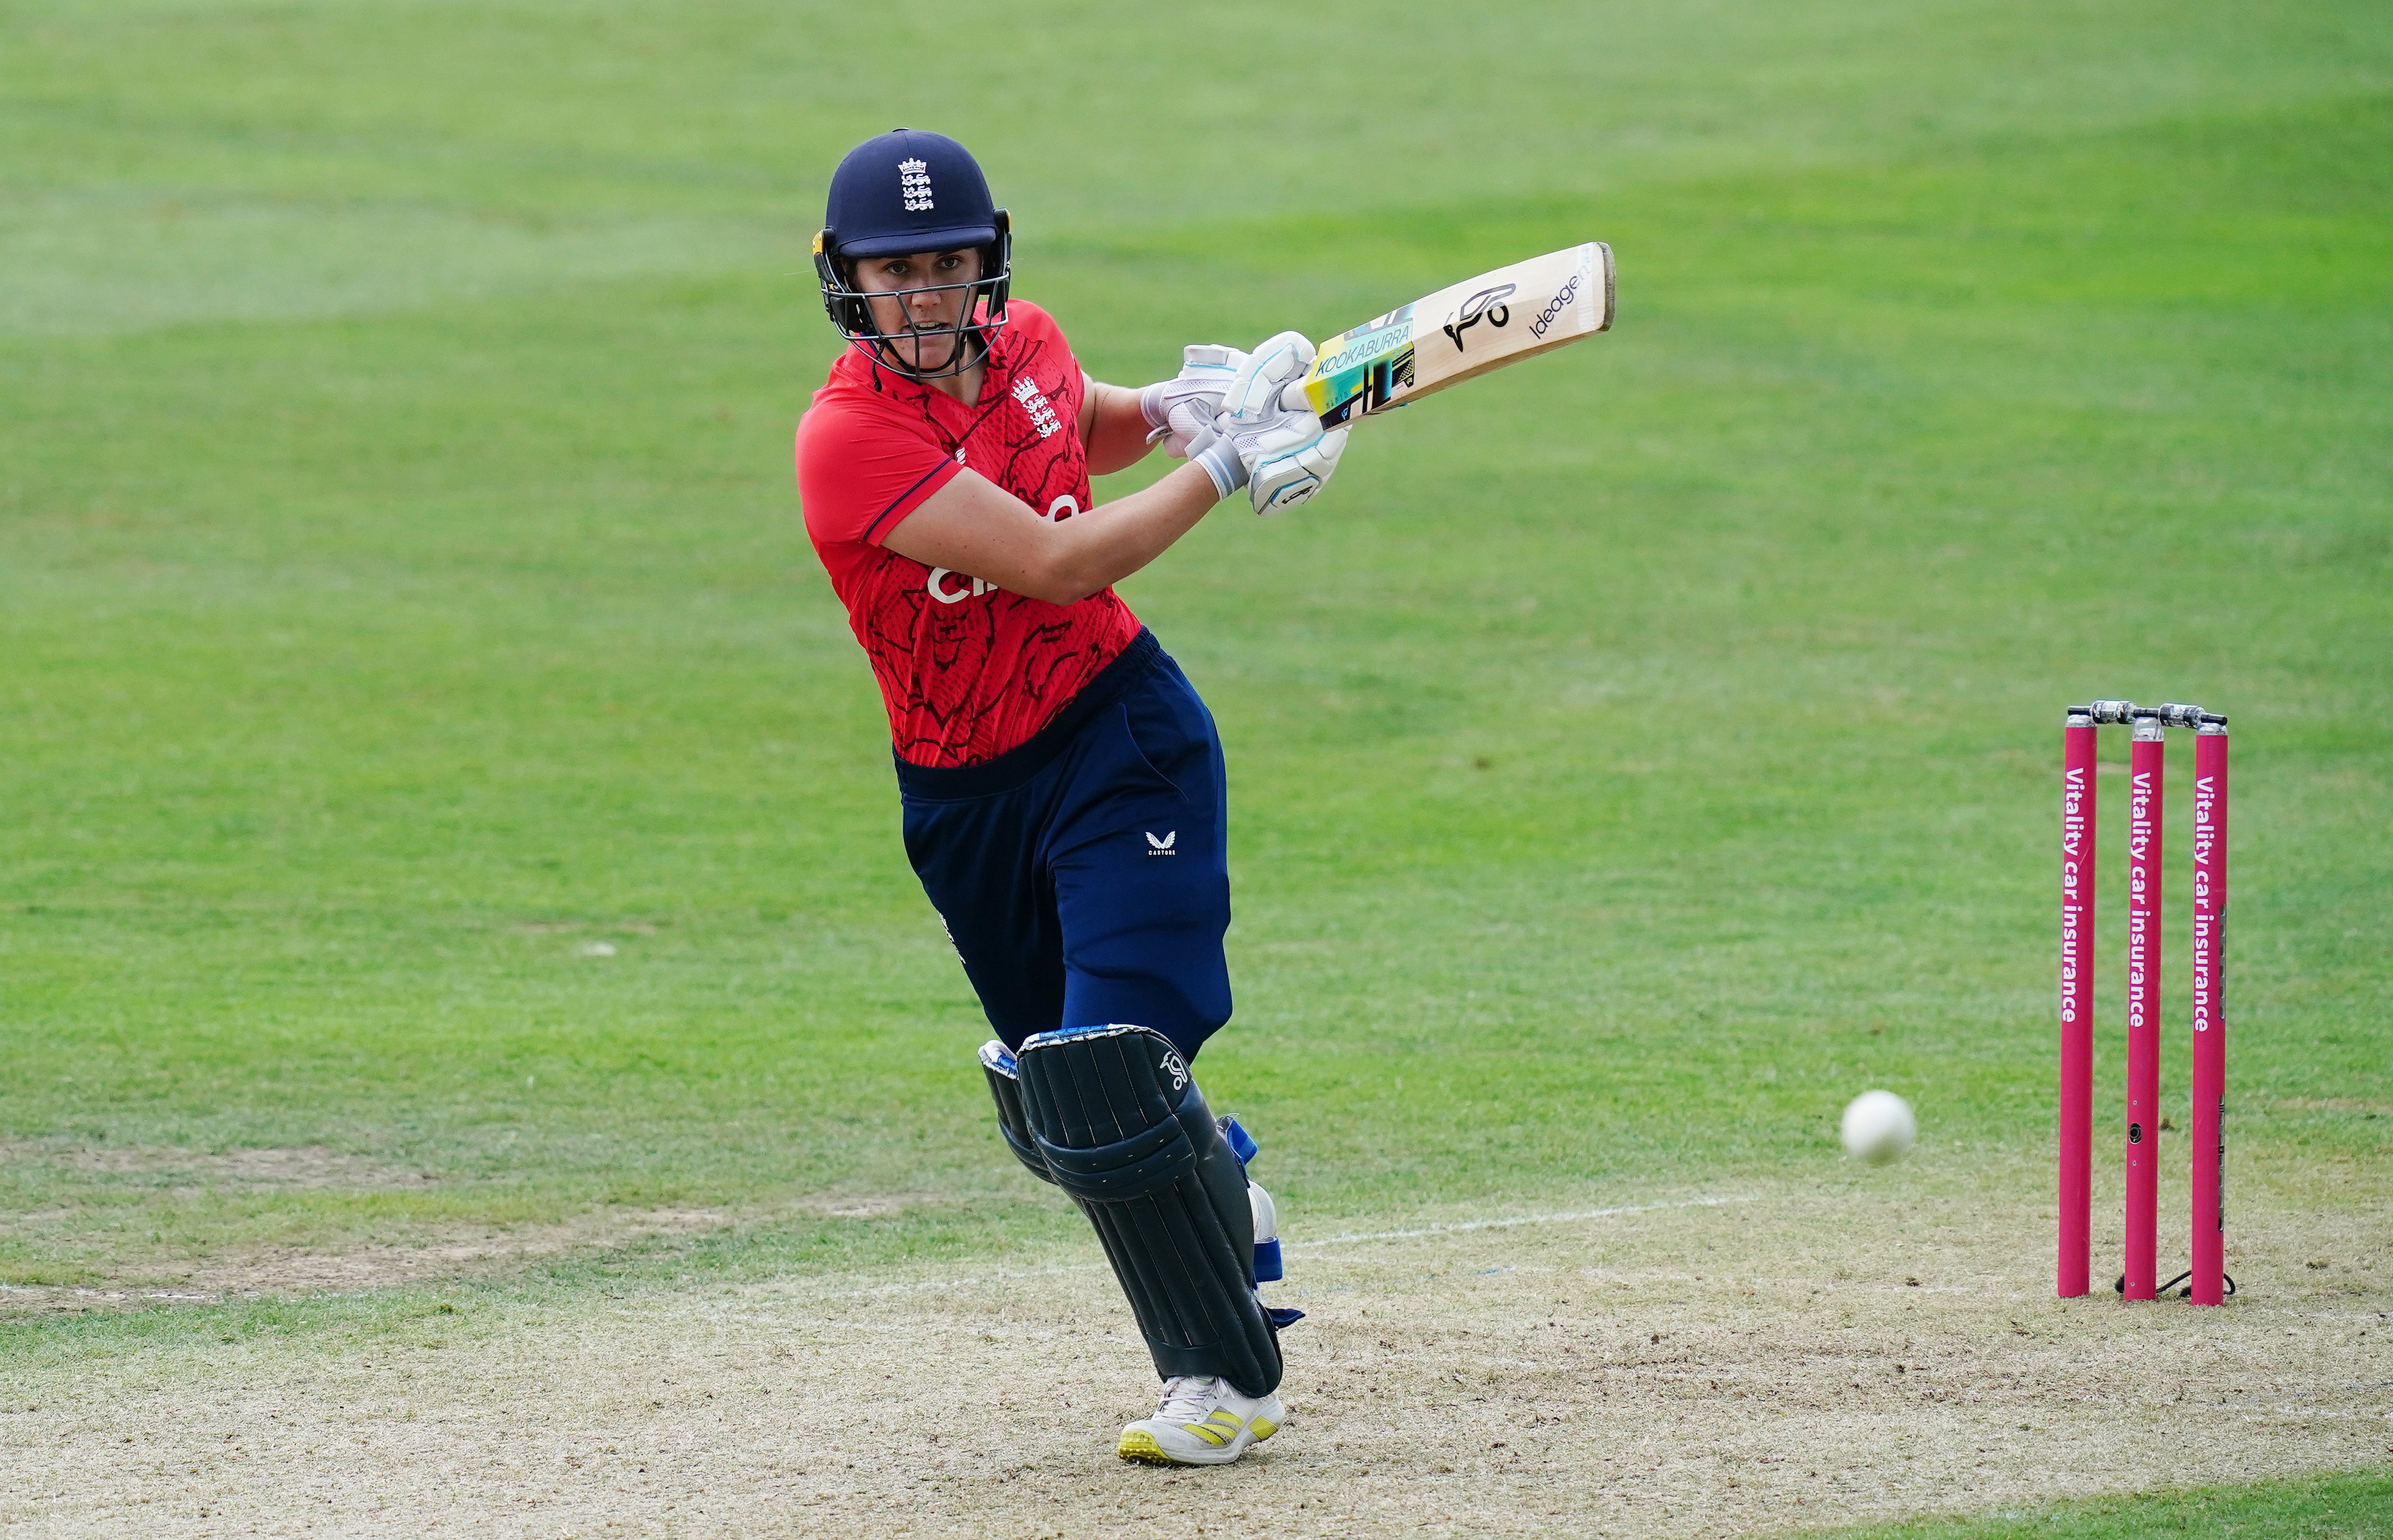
[1702,1365]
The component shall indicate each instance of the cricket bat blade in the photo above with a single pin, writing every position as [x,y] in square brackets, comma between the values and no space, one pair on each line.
[1463,331]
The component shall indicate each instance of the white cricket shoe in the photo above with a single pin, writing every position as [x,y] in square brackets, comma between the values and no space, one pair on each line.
[1201,1421]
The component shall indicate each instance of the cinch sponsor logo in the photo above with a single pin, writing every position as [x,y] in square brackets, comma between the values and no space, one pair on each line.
[972,588]
[955,593]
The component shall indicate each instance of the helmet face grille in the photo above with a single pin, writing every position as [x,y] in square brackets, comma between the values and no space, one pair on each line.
[983,316]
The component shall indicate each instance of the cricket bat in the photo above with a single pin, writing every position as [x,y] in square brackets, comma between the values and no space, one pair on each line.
[1447,337]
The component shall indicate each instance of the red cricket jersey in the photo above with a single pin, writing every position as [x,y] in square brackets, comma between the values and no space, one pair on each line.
[966,670]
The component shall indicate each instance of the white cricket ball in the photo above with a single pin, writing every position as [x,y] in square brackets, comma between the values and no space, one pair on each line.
[1879,1127]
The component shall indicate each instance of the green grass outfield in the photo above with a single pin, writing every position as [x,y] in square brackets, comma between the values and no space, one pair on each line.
[1633,755]
[2328,1508]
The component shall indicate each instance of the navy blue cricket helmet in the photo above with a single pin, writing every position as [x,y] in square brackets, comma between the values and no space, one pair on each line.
[906,191]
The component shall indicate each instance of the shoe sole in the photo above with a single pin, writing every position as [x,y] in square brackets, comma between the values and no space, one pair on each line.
[1139,1445]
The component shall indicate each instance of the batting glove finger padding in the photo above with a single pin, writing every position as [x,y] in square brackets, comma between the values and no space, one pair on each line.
[1254,394]
[1179,409]
[1186,423]
[1281,461]
[1291,458]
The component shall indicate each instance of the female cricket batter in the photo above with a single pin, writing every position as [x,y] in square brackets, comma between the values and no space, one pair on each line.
[1062,783]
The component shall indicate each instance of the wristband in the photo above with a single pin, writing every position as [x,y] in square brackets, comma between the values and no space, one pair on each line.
[1153,407]
[1213,449]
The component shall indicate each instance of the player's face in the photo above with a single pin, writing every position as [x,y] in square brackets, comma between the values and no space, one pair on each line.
[924,326]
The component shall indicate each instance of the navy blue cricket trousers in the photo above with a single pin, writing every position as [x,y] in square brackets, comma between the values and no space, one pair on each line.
[1084,875]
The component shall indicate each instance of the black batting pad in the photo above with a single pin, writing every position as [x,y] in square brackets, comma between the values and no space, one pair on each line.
[1120,1124]
[1005,1085]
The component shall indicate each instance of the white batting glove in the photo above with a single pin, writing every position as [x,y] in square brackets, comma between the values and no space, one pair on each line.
[1180,407]
[1282,460]
[1293,458]
[1253,393]
[1251,406]
[1266,418]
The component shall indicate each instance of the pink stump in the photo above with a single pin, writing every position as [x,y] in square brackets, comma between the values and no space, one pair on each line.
[2145,770]
[2208,1129]
[2077,762]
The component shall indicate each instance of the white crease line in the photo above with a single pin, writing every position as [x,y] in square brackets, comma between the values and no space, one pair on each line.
[1464,1226]
[928,1285]
[932,1286]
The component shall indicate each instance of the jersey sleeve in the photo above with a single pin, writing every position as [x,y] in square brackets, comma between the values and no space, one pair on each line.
[860,474]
